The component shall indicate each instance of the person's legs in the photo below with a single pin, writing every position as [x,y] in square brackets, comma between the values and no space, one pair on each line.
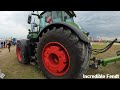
[9,49]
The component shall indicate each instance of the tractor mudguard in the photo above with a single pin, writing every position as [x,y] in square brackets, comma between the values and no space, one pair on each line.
[78,32]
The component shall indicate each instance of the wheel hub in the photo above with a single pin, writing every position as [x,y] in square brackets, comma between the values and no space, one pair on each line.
[56,58]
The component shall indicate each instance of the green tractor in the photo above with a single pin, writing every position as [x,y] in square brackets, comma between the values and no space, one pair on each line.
[60,48]
[56,44]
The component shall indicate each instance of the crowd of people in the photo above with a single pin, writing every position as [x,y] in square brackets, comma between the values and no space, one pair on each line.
[6,44]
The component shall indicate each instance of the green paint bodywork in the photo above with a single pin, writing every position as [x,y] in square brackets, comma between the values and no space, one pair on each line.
[110,60]
[73,25]
[32,35]
[77,27]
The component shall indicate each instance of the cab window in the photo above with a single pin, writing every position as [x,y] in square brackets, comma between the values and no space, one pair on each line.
[56,16]
[43,22]
[67,17]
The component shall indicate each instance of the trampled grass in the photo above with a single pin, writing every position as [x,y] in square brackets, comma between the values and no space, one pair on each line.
[10,66]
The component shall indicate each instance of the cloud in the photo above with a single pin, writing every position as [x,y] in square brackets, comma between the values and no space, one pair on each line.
[100,23]
[13,24]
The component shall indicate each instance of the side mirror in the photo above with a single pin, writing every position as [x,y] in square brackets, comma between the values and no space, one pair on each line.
[29,19]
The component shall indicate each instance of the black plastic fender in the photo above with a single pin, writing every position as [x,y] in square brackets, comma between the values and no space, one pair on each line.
[78,32]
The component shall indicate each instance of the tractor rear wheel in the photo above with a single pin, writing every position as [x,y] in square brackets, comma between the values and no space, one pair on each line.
[62,55]
[22,51]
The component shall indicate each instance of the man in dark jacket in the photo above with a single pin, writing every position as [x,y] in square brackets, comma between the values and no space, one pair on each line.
[9,45]
[4,44]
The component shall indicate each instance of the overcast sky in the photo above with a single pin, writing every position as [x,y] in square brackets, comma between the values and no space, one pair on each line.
[100,24]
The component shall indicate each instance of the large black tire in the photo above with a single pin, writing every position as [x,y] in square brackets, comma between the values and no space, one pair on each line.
[78,51]
[22,51]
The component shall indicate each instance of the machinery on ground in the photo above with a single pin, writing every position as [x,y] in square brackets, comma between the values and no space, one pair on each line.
[59,46]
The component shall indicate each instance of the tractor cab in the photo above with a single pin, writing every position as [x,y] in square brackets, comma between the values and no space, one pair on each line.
[49,17]
[46,18]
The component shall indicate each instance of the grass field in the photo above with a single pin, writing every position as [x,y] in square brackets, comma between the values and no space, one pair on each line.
[10,66]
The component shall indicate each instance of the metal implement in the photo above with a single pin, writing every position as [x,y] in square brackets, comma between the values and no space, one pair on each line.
[105,61]
[110,60]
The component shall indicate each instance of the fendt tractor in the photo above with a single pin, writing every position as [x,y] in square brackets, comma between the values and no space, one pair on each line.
[60,48]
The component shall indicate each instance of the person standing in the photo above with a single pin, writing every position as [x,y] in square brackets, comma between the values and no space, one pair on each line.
[1,44]
[4,44]
[9,45]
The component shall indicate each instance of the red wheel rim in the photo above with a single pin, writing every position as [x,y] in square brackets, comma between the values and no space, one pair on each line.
[56,58]
[19,54]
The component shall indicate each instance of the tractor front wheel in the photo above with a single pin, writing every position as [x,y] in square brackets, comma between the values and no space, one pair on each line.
[22,51]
